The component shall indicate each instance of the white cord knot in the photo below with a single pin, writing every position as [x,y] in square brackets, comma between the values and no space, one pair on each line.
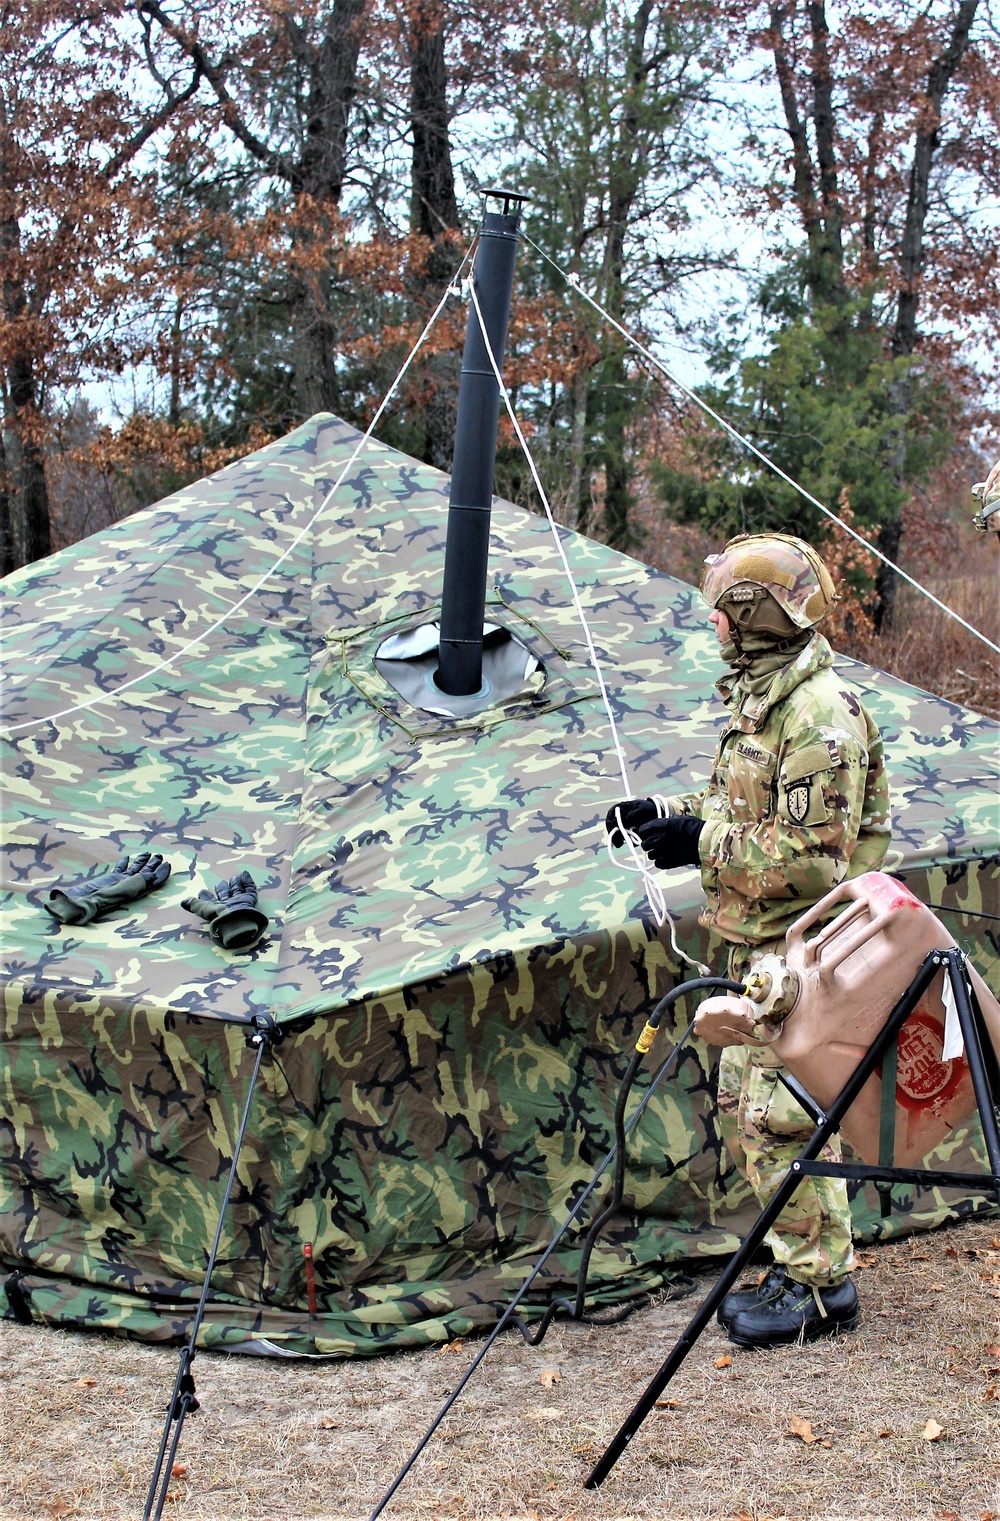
[654,892]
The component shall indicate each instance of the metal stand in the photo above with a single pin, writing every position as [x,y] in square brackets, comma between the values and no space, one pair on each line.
[183,1398]
[985,1074]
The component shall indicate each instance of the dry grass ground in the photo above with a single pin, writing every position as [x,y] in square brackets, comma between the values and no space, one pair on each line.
[80,1417]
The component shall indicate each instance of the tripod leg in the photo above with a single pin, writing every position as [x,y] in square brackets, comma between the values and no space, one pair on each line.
[692,1331]
[829,1126]
[981,1064]
[183,1398]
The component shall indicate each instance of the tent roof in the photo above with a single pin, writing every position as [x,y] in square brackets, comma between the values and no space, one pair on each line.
[390,846]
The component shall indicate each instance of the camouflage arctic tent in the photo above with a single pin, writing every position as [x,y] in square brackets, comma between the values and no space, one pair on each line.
[456,966]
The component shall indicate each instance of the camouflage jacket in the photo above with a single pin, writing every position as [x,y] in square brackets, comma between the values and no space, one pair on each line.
[798,799]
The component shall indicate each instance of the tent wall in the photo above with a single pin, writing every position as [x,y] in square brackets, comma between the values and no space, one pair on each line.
[427,1145]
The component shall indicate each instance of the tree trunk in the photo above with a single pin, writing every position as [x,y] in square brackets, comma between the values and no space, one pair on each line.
[24,476]
[621,196]
[434,209]
[815,187]
[830,275]
[904,337]
[314,343]
[803,176]
[176,354]
[6,533]
[578,502]
[318,178]
[433,214]
[29,495]
[942,72]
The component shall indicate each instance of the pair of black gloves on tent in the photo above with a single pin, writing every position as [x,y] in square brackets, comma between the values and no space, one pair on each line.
[231,913]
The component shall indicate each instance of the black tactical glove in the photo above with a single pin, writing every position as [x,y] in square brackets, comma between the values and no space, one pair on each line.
[634,811]
[83,902]
[231,913]
[672,841]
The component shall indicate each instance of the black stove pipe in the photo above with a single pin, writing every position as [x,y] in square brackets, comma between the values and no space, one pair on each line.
[463,601]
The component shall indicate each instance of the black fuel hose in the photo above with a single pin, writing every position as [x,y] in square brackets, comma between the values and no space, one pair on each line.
[574,1308]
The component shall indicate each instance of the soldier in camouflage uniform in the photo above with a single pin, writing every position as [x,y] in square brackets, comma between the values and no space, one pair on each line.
[797,802]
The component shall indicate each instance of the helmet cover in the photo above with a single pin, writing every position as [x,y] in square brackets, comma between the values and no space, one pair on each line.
[787,568]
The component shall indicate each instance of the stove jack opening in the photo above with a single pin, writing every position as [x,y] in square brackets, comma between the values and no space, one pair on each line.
[410,663]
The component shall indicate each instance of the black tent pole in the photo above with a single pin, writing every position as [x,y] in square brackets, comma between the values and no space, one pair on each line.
[463,599]
[183,1398]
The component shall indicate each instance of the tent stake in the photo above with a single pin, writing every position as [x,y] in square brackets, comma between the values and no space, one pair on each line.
[183,1398]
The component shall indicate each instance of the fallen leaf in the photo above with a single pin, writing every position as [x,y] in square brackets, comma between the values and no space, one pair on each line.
[59,1509]
[988,1515]
[827,1445]
[932,1432]
[549,1377]
[937,1287]
[797,1427]
[546,1413]
[888,1432]
[328,1423]
[951,1252]
[179,1471]
[723,1362]
[85,1383]
[989,1393]
[993,1349]
[668,1405]
[451,1346]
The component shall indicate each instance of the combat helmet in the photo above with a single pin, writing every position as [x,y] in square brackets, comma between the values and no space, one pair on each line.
[769,584]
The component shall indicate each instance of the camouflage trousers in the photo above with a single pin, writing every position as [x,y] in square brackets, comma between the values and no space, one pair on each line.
[765,1130]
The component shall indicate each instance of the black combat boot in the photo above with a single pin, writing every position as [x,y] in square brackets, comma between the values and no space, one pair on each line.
[770,1286]
[795,1313]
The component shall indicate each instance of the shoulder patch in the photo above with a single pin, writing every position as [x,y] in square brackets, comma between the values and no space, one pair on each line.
[809,760]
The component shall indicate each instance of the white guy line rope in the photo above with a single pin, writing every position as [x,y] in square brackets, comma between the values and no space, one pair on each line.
[654,892]
[734,433]
[93,702]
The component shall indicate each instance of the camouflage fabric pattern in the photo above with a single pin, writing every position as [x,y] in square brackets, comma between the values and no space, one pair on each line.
[798,799]
[457,966]
[789,568]
[765,1130]
[424,1144]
